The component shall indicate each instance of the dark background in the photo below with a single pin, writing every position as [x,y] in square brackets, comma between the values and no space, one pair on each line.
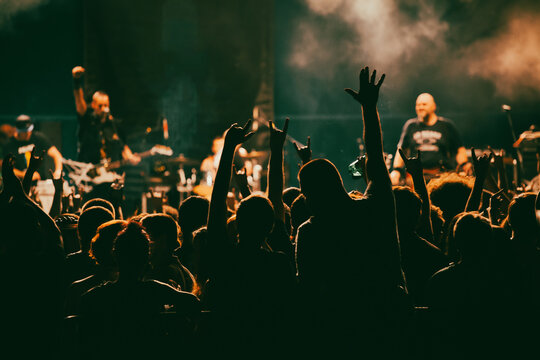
[205,64]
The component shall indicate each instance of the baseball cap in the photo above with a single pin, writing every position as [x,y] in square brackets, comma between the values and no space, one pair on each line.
[24,123]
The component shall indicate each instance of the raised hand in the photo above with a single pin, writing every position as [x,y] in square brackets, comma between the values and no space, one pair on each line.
[117,193]
[77,72]
[413,165]
[36,159]
[304,152]
[368,91]
[498,207]
[481,164]
[237,135]
[57,182]
[240,178]
[277,137]
[499,165]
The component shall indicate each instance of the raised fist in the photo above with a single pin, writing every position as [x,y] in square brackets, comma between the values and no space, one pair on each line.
[77,72]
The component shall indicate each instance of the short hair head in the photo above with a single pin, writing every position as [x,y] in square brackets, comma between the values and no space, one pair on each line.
[521,214]
[472,234]
[162,227]
[408,208]
[102,243]
[89,221]
[131,250]
[193,213]
[254,218]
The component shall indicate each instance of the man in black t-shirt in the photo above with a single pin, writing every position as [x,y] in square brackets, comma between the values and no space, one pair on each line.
[436,137]
[24,141]
[98,134]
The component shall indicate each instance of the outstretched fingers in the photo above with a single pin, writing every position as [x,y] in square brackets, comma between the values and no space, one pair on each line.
[286,126]
[373,76]
[380,80]
[473,156]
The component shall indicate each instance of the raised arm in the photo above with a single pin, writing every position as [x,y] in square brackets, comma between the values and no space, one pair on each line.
[501,173]
[78,93]
[481,169]
[415,168]
[367,96]
[57,158]
[217,214]
[275,169]
[58,182]
[33,165]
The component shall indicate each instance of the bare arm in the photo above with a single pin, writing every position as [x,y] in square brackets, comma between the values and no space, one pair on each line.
[78,93]
[481,168]
[31,173]
[395,175]
[56,208]
[415,168]
[275,170]
[367,96]
[217,214]
[57,158]
[129,156]
[461,156]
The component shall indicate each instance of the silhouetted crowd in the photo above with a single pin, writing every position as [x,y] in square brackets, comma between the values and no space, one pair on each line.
[444,270]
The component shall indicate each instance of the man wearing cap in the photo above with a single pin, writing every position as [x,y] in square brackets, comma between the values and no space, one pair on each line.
[24,140]
[98,133]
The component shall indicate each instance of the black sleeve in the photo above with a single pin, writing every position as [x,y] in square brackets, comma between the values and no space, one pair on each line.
[455,140]
[404,140]
[41,142]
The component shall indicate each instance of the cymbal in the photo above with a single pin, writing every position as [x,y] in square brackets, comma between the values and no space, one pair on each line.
[255,154]
[183,161]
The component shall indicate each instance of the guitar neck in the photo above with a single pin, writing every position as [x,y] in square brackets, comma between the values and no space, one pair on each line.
[113,165]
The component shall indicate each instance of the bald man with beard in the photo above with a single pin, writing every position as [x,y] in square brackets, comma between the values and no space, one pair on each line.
[436,137]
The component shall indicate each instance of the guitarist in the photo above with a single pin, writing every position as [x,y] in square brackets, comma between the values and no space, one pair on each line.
[98,134]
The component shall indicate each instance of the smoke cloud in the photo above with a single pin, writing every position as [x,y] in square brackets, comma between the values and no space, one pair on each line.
[510,59]
[411,40]
[9,8]
[379,32]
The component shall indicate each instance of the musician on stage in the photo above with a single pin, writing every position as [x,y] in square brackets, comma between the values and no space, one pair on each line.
[436,137]
[21,144]
[98,133]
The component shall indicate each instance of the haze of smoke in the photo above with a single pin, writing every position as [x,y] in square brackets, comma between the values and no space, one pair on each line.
[376,31]
[9,8]
[511,59]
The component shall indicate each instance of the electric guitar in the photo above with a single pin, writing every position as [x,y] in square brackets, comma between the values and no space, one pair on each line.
[104,172]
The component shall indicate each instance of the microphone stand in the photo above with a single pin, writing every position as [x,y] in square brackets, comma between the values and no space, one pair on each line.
[518,176]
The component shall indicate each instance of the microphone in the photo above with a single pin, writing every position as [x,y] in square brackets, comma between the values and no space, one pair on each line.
[107,113]
[506,107]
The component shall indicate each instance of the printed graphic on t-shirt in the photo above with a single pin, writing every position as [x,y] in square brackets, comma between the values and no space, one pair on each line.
[427,140]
